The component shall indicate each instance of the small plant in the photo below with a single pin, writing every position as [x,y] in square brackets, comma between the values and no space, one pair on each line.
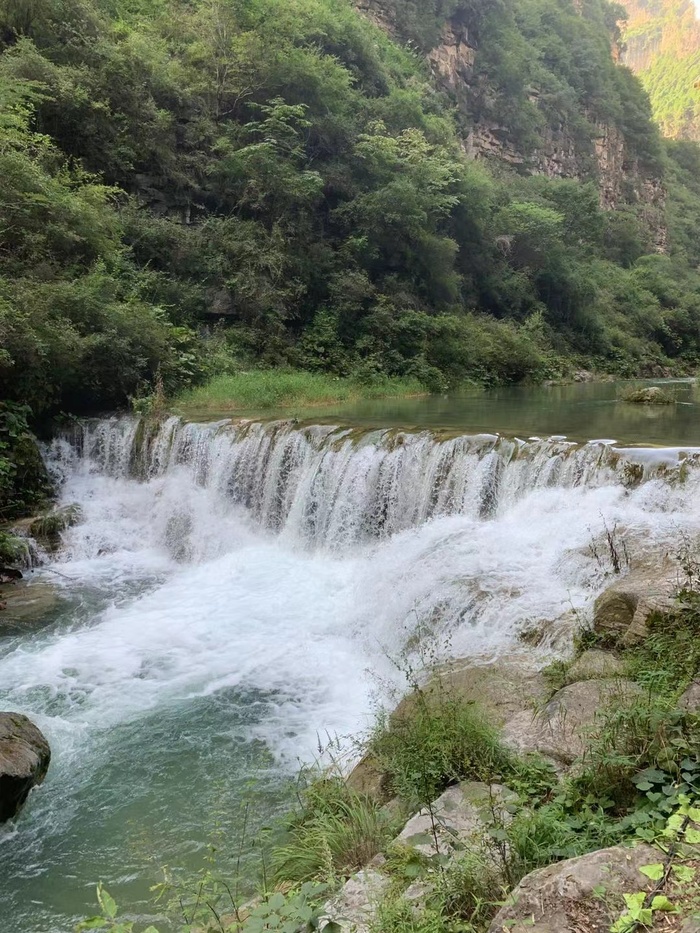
[296,911]
[107,919]
[334,833]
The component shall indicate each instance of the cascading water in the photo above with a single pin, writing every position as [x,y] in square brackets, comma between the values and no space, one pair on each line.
[233,591]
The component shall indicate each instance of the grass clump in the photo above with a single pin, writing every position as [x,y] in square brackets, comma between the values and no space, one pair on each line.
[434,741]
[265,389]
[668,659]
[334,833]
[13,550]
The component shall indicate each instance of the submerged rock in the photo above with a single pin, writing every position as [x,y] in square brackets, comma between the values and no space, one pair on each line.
[566,897]
[649,395]
[25,605]
[559,730]
[24,761]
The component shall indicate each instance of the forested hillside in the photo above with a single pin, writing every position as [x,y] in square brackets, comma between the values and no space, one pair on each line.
[662,45]
[193,186]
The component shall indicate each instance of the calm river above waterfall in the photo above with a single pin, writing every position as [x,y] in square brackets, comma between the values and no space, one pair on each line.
[232,594]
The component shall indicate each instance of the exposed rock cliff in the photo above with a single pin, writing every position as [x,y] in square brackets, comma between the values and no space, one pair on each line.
[662,46]
[577,144]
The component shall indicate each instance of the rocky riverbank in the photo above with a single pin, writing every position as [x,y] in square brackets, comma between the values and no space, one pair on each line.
[606,749]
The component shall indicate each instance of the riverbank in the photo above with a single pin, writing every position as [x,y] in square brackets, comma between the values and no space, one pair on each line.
[260,390]
[498,796]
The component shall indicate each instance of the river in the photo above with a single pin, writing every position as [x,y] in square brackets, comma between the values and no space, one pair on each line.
[235,596]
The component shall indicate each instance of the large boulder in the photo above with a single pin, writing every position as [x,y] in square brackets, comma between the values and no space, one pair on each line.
[595,665]
[500,688]
[458,818]
[622,610]
[583,893]
[24,761]
[355,906]
[559,730]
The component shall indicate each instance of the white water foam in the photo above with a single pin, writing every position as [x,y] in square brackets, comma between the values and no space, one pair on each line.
[286,567]
[291,559]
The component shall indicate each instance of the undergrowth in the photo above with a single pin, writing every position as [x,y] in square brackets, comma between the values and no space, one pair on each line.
[333,833]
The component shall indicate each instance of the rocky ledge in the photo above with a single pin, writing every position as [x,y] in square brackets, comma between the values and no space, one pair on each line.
[24,761]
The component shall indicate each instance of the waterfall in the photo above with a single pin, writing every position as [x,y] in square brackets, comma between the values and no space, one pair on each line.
[334,487]
[233,591]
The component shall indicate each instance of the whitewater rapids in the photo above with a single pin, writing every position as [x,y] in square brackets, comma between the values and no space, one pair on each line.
[238,587]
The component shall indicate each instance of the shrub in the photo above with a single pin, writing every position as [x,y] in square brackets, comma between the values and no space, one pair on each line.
[434,740]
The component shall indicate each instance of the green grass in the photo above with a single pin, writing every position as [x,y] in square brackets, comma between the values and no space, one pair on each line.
[333,834]
[286,388]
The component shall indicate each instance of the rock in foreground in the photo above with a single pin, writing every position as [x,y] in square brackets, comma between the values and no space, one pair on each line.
[24,761]
[565,897]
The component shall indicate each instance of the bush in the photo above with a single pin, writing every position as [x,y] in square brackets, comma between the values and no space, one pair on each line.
[435,739]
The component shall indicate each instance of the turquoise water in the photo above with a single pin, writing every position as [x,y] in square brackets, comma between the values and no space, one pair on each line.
[581,412]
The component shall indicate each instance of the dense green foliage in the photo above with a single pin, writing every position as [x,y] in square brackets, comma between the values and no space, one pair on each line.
[191,187]
[662,39]
[23,478]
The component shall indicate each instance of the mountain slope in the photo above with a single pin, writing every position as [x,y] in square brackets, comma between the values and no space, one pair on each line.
[662,46]
[188,187]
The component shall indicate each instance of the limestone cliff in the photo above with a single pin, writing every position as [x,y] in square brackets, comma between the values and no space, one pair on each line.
[662,46]
[516,118]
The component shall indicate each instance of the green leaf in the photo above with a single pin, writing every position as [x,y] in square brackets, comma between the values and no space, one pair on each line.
[692,835]
[623,925]
[634,901]
[276,900]
[661,902]
[684,873]
[94,923]
[655,871]
[107,902]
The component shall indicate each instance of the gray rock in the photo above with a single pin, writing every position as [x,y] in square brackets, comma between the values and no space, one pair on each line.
[459,818]
[355,906]
[559,730]
[690,700]
[24,761]
[595,665]
[691,925]
[622,610]
[562,897]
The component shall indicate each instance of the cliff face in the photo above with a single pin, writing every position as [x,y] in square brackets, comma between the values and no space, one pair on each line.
[579,145]
[662,46]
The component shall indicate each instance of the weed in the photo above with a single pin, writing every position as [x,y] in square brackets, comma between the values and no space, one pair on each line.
[438,739]
[334,833]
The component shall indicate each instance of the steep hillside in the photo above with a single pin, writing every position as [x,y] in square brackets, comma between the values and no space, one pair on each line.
[662,46]
[539,90]
[195,187]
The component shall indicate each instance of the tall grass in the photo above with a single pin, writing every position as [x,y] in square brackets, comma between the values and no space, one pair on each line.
[335,833]
[285,388]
